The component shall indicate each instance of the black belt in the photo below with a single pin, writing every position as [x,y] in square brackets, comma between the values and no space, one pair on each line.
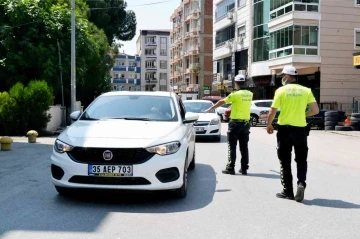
[240,120]
[291,127]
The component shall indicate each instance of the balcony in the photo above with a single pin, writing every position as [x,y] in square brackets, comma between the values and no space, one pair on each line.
[150,55]
[151,67]
[294,12]
[150,43]
[298,56]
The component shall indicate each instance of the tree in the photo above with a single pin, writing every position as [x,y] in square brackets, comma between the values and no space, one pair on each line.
[113,18]
[28,46]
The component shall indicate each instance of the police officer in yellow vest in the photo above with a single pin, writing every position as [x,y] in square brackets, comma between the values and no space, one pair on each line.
[292,99]
[239,126]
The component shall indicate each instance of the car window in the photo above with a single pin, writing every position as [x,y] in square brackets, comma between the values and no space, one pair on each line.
[264,104]
[154,108]
[198,107]
[225,105]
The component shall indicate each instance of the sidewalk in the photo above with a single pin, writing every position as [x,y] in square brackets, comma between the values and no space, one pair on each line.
[346,133]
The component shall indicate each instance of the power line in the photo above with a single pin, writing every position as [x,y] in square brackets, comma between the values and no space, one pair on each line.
[145,4]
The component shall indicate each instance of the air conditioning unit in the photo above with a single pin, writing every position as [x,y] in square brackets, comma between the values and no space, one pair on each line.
[230,15]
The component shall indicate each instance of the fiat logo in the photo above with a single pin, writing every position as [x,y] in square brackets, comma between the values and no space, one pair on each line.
[108,155]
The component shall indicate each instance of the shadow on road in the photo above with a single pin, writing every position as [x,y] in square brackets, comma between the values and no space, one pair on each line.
[223,139]
[262,175]
[331,203]
[30,201]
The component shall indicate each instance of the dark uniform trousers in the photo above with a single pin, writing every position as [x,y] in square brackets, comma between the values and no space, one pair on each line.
[287,138]
[239,130]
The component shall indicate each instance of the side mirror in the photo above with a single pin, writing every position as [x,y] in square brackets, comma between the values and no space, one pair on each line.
[75,115]
[190,118]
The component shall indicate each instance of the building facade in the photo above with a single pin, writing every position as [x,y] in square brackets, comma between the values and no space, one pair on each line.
[192,48]
[318,37]
[153,46]
[126,73]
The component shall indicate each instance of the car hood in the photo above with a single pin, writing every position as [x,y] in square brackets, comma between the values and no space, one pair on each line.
[207,116]
[118,133]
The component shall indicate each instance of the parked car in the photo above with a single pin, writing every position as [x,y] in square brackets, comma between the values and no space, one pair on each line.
[127,140]
[257,106]
[209,124]
[221,111]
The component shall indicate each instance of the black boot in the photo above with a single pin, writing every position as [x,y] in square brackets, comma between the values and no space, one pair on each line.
[229,171]
[286,195]
[300,192]
[243,171]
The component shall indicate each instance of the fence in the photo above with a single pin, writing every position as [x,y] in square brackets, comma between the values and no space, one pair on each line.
[353,107]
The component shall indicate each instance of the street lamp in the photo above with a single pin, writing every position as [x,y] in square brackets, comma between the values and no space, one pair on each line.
[73,63]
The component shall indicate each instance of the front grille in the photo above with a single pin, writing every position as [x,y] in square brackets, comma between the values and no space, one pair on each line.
[109,180]
[120,156]
[201,123]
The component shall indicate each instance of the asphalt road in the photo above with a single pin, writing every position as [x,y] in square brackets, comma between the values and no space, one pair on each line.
[217,206]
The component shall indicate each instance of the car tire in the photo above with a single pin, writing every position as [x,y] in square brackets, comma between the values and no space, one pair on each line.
[330,128]
[331,113]
[331,123]
[192,164]
[182,191]
[253,120]
[343,128]
[63,191]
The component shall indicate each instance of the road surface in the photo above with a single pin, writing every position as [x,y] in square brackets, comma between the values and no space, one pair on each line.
[217,205]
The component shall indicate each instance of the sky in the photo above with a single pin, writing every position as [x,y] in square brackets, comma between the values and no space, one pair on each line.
[155,16]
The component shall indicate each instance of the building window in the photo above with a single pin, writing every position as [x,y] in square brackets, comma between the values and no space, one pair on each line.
[357,37]
[150,76]
[150,52]
[150,40]
[225,35]
[241,33]
[223,8]
[241,3]
[163,64]
[132,64]
[302,40]
[357,2]
[150,64]
[163,46]
[261,30]
[279,8]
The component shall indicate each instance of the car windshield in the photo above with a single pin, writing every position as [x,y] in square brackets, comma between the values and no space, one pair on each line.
[132,107]
[197,107]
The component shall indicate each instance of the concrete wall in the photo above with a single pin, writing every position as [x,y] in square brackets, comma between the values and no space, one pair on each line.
[56,118]
[340,81]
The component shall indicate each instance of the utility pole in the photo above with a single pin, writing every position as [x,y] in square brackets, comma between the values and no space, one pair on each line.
[62,87]
[73,63]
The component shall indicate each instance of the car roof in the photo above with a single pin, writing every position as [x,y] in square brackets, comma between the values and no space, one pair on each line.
[153,93]
[200,101]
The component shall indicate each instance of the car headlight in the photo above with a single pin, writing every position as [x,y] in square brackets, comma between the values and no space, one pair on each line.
[165,149]
[214,122]
[61,147]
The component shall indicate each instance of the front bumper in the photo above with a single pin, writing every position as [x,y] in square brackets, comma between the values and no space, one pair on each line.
[208,130]
[144,175]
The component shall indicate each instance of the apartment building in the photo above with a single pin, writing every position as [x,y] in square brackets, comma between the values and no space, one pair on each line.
[125,74]
[318,37]
[153,47]
[191,47]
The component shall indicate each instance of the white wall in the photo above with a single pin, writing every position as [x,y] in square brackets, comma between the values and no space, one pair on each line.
[56,116]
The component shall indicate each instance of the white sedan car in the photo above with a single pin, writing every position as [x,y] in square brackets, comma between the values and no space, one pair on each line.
[127,140]
[209,124]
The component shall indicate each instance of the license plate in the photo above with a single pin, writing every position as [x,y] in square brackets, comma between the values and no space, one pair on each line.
[110,170]
[199,129]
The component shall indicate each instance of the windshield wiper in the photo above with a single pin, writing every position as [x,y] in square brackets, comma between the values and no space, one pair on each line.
[129,118]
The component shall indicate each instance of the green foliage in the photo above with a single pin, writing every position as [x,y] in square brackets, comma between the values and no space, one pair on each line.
[24,108]
[113,18]
[28,46]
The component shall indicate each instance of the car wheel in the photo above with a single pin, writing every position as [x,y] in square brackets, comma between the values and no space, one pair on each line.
[63,191]
[253,120]
[192,164]
[181,192]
